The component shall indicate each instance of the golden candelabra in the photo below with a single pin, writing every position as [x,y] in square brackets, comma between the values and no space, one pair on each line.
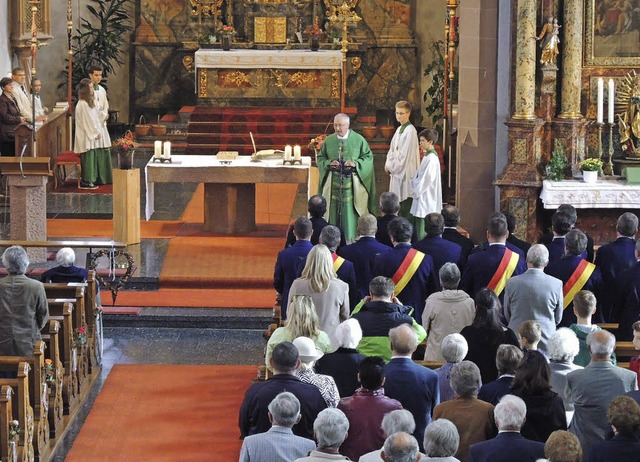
[210,8]
[345,15]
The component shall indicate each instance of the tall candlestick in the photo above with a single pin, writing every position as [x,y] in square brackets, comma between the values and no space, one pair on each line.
[287,152]
[157,149]
[611,100]
[167,150]
[297,154]
[600,100]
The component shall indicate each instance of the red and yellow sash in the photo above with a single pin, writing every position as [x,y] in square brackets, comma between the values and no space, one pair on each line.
[505,269]
[337,261]
[407,269]
[577,281]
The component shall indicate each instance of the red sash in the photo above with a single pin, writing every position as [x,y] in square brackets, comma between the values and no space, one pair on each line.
[337,261]
[505,269]
[407,269]
[576,281]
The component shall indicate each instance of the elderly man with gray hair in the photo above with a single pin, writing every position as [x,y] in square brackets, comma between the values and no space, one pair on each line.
[592,389]
[441,441]
[400,447]
[507,359]
[330,430]
[509,445]
[396,421]
[278,444]
[534,296]
[446,312]
[23,306]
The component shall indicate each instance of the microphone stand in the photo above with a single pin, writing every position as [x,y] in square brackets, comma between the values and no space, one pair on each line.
[341,173]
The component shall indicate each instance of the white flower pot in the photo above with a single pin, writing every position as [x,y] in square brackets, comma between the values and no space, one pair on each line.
[590,177]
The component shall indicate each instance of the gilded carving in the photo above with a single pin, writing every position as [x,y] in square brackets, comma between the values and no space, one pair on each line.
[187,63]
[356,62]
[239,79]
[270,30]
[279,75]
[303,79]
[203,79]
[335,84]
[520,151]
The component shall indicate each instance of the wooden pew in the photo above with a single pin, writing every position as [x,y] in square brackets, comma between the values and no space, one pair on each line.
[429,364]
[38,395]
[56,404]
[626,350]
[22,411]
[7,450]
[67,357]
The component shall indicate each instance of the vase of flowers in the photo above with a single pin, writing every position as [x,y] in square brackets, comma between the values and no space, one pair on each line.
[125,147]
[590,168]
[314,32]
[226,33]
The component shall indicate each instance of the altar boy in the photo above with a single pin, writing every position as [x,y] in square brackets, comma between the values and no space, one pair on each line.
[426,186]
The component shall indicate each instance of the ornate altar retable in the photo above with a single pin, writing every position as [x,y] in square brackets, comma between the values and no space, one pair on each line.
[291,78]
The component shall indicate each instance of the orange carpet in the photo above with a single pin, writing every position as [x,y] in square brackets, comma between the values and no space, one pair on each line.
[165,413]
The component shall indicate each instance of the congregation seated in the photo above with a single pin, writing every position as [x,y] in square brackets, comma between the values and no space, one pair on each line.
[486,334]
[400,447]
[379,313]
[571,211]
[330,430]
[446,312]
[441,250]
[441,441]
[309,354]
[454,348]
[66,271]
[562,446]
[396,421]
[343,363]
[330,295]
[624,417]
[563,348]
[584,306]
[366,409]
[254,414]
[302,322]
[451,217]
[279,442]
[507,359]
[510,445]
[545,409]
[344,269]
[472,417]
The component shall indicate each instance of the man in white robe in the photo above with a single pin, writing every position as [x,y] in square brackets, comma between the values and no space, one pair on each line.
[426,184]
[102,145]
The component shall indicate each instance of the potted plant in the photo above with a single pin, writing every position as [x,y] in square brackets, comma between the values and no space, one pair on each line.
[555,169]
[590,168]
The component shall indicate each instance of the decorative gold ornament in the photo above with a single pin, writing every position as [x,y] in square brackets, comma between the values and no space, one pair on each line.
[628,110]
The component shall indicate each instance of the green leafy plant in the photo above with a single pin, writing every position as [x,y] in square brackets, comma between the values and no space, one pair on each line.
[100,39]
[591,165]
[434,96]
[555,169]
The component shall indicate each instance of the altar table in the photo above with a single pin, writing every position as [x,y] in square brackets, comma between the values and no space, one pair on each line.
[229,190]
[604,194]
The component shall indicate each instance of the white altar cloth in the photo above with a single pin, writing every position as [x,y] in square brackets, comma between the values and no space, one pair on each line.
[604,194]
[208,169]
[268,59]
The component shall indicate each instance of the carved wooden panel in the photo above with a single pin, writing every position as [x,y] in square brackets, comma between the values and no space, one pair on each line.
[270,30]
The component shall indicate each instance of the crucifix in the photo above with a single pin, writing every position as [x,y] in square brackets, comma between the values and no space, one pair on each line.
[343,14]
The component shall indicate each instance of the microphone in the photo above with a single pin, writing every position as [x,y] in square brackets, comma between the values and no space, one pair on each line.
[340,149]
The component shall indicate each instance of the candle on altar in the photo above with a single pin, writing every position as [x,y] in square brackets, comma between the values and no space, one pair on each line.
[157,149]
[600,100]
[167,150]
[297,154]
[611,99]
[287,152]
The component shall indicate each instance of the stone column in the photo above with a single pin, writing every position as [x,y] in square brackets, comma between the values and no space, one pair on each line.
[28,202]
[571,60]
[525,85]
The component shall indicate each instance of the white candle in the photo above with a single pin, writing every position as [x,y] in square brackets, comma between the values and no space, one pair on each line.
[167,150]
[600,100]
[287,152]
[157,149]
[611,99]
[297,154]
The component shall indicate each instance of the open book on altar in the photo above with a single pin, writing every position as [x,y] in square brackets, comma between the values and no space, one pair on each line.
[265,153]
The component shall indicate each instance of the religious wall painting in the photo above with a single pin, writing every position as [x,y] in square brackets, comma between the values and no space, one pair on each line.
[612,33]
[156,18]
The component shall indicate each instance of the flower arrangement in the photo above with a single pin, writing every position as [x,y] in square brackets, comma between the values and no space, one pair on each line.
[80,337]
[49,375]
[316,143]
[227,30]
[14,430]
[126,143]
[314,30]
[591,165]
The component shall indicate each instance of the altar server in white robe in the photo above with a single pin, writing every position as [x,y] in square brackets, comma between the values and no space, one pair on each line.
[103,145]
[426,185]
[403,158]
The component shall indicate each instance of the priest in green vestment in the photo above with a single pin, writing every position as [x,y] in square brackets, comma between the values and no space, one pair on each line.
[345,165]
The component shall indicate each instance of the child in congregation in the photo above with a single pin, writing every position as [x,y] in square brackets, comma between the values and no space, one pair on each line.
[584,306]
[426,185]
[529,335]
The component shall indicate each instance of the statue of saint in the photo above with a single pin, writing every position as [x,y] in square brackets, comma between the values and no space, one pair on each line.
[550,40]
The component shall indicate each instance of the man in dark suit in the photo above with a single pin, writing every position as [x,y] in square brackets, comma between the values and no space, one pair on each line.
[626,303]
[441,250]
[586,276]
[561,224]
[573,214]
[507,359]
[254,412]
[493,266]
[289,260]
[412,271]
[317,207]
[509,445]
[415,386]
[330,237]
[362,253]
[616,257]
[389,207]
[451,217]
[513,239]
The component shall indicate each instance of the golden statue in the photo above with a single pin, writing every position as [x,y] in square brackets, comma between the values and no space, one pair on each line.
[550,40]
[629,117]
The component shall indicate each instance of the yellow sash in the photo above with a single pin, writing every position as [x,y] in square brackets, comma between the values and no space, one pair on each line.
[337,262]
[407,269]
[576,282]
[505,269]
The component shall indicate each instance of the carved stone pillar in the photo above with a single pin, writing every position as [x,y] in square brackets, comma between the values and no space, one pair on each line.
[520,181]
[525,85]
[572,60]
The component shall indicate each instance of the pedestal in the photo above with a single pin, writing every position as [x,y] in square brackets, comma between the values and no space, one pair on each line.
[229,208]
[29,212]
[126,205]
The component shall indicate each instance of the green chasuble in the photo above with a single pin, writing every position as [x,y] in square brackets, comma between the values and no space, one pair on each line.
[351,196]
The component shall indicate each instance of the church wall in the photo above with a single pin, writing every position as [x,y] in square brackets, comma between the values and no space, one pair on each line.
[5,50]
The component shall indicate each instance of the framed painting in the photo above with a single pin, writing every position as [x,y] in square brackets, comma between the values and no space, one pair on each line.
[612,34]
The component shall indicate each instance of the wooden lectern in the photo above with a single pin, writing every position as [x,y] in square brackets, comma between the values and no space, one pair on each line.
[27,182]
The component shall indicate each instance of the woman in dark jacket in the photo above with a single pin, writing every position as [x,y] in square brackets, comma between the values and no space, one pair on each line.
[486,334]
[9,118]
[545,409]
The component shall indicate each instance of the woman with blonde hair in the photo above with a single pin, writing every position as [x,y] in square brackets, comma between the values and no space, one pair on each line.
[88,132]
[330,295]
[302,322]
